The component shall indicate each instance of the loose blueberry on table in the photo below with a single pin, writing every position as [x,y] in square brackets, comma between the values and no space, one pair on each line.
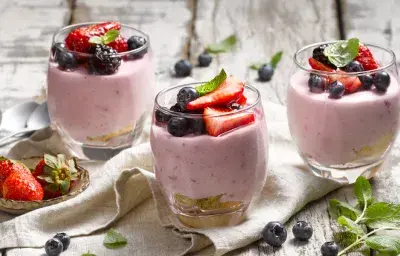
[332,73]
[329,249]
[302,230]
[274,233]
[53,247]
[105,45]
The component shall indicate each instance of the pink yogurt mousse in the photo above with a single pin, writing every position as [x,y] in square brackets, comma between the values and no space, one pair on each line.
[85,105]
[331,131]
[233,164]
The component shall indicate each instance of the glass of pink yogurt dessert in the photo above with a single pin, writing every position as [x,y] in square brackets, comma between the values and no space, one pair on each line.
[210,148]
[343,107]
[100,86]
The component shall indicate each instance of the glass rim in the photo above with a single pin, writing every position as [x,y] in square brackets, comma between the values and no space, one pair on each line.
[170,112]
[365,72]
[120,54]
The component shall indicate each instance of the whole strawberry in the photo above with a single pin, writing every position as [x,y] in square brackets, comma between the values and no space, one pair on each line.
[8,167]
[56,174]
[22,186]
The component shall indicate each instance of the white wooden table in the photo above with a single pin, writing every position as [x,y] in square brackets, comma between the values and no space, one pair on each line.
[180,29]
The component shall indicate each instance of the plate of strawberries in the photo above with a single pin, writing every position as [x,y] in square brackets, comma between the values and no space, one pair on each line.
[36,182]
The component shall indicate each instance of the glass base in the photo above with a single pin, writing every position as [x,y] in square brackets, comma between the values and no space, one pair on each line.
[346,175]
[212,221]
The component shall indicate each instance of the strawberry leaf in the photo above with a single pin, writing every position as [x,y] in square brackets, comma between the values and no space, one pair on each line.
[50,161]
[60,160]
[53,187]
[114,240]
[64,187]
[212,84]
[45,178]
[223,46]
[71,166]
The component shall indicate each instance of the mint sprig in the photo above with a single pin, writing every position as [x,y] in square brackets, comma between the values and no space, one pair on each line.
[107,38]
[88,254]
[114,240]
[276,58]
[343,52]
[377,216]
[212,84]
[224,46]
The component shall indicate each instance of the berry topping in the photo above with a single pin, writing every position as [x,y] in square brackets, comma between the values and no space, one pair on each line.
[336,90]
[119,44]
[274,233]
[65,240]
[351,83]
[354,66]
[178,126]
[216,125]
[55,49]
[183,68]
[197,125]
[366,58]
[204,59]
[162,116]
[318,54]
[242,100]
[78,39]
[381,81]
[303,230]
[317,83]
[265,72]
[230,90]
[186,95]
[176,108]
[135,42]
[104,60]
[315,64]
[53,247]
[329,249]
[66,60]
[366,81]
[22,186]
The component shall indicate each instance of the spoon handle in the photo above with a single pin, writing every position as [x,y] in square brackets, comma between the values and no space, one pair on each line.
[23,132]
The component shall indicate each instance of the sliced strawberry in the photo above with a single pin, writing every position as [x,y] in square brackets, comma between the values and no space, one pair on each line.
[315,64]
[242,100]
[119,44]
[78,39]
[366,58]
[351,83]
[230,90]
[219,125]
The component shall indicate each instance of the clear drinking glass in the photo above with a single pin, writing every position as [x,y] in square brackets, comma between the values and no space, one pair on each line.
[99,115]
[344,138]
[210,181]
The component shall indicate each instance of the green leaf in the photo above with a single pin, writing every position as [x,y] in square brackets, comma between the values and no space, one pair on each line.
[384,243]
[71,167]
[2,158]
[363,191]
[114,240]
[346,238]
[343,52]
[60,160]
[110,36]
[88,254]
[50,161]
[95,40]
[53,187]
[211,85]
[383,215]
[275,59]
[256,66]
[46,178]
[340,208]
[223,46]
[350,225]
[64,186]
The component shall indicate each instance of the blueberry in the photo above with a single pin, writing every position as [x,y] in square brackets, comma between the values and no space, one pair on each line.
[186,95]
[178,126]
[336,90]
[366,81]
[64,238]
[354,66]
[176,108]
[204,59]
[53,247]
[316,83]
[329,249]
[265,72]
[302,230]
[55,50]
[381,81]
[183,68]
[66,60]
[135,42]
[274,233]
[197,125]
[318,54]
[162,116]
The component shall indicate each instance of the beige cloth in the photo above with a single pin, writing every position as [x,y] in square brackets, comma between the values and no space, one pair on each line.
[120,196]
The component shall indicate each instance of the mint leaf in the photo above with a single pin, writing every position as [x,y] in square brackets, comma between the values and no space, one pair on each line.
[88,254]
[350,225]
[275,59]
[340,208]
[346,238]
[343,52]
[211,85]
[383,215]
[95,40]
[223,46]
[256,66]
[114,240]
[363,191]
[384,243]
[110,36]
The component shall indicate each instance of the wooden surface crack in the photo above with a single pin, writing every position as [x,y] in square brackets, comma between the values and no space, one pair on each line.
[192,28]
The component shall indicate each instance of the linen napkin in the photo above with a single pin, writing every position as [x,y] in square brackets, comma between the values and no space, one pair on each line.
[124,195]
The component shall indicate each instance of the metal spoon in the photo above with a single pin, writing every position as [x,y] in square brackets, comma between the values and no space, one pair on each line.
[37,120]
[16,117]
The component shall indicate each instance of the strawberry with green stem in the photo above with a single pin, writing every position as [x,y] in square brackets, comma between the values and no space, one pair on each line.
[56,174]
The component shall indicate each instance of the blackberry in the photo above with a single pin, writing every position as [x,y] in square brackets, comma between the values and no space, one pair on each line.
[318,54]
[104,60]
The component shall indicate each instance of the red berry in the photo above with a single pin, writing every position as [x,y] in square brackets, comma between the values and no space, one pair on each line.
[366,58]
[351,83]
[23,187]
[242,101]
[119,44]
[315,64]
